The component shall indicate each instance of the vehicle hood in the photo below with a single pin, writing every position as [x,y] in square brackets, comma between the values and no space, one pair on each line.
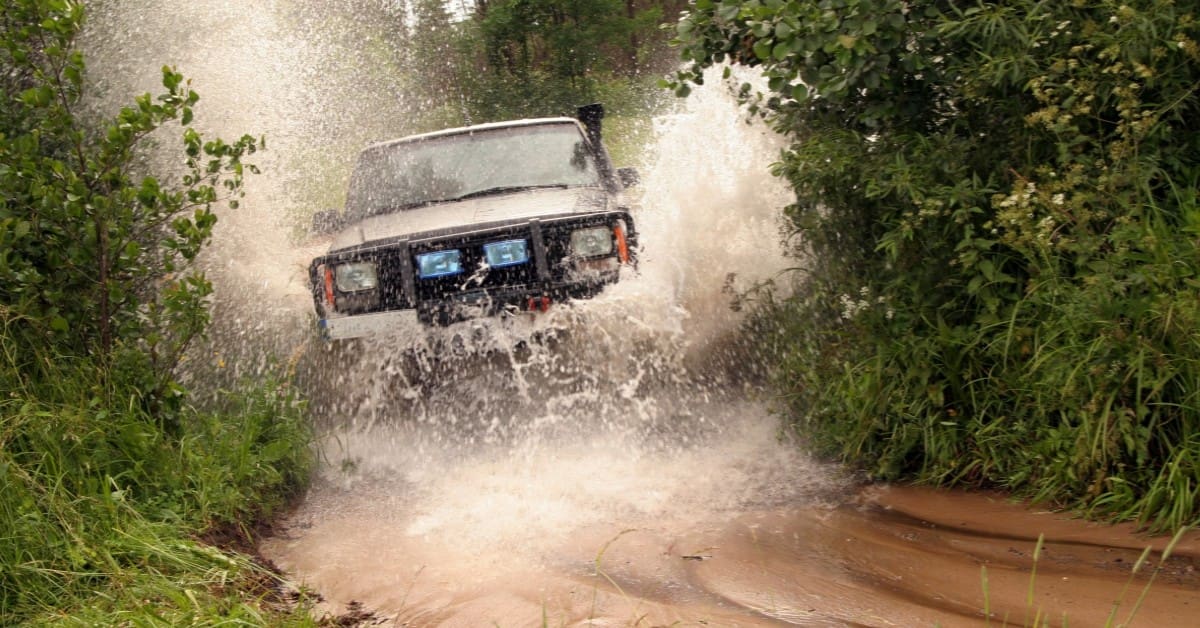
[471,212]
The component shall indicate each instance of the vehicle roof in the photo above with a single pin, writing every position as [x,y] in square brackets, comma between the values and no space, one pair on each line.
[489,126]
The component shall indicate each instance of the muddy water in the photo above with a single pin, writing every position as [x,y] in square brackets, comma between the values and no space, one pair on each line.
[732,529]
[804,566]
[612,463]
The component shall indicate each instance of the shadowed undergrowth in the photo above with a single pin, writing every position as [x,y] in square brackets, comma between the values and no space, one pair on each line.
[108,474]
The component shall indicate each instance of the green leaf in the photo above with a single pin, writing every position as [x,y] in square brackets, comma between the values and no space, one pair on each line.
[762,49]
[37,96]
[171,79]
[72,74]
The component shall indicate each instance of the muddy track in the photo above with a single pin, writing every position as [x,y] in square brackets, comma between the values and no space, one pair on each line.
[678,504]
[887,557]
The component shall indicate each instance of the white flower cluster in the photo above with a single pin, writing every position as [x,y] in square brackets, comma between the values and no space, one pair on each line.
[852,307]
[1020,198]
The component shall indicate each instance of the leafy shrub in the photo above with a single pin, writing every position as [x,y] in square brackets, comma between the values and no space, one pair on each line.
[106,472]
[95,258]
[997,209]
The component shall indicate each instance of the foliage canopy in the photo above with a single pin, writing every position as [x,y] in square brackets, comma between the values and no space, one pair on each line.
[525,58]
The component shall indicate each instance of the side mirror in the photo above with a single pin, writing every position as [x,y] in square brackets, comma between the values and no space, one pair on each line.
[326,221]
[628,177]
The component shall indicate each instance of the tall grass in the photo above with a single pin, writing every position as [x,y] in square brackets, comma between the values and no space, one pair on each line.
[1084,393]
[100,506]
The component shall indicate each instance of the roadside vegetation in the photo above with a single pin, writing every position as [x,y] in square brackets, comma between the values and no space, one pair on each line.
[109,476]
[490,60]
[997,223]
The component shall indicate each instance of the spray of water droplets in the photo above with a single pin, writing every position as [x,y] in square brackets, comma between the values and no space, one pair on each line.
[633,406]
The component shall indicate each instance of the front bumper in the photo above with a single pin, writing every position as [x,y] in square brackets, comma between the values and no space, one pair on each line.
[461,308]
[549,277]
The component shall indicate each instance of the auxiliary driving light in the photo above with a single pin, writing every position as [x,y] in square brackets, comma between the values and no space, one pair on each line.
[439,263]
[506,253]
[356,277]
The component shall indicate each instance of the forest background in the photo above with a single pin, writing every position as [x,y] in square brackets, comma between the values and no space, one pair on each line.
[995,224]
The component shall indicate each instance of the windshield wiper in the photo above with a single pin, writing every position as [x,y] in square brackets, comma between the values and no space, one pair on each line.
[504,189]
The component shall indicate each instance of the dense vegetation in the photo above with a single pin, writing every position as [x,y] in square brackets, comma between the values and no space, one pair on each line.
[107,473]
[996,209]
[503,59]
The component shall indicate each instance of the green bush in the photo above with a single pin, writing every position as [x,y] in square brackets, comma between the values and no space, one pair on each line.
[520,59]
[94,256]
[997,208]
[107,473]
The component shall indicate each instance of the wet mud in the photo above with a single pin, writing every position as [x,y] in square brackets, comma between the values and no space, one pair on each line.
[541,492]
[885,556]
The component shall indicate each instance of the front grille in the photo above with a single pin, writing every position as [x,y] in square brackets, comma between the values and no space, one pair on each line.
[474,277]
[547,272]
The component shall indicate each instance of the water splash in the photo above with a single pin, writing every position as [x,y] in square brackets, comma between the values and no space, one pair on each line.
[623,408]
[298,73]
[630,409]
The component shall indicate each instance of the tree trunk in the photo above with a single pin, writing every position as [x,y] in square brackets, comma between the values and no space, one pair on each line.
[634,43]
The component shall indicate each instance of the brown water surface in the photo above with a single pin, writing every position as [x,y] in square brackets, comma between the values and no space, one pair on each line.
[709,535]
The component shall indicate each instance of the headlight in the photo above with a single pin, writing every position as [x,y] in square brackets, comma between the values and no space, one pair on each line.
[356,277]
[591,242]
[506,253]
[439,264]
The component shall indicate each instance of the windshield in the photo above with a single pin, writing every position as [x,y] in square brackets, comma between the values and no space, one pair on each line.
[411,174]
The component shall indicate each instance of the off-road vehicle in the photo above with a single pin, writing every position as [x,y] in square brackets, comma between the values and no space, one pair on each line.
[485,220]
